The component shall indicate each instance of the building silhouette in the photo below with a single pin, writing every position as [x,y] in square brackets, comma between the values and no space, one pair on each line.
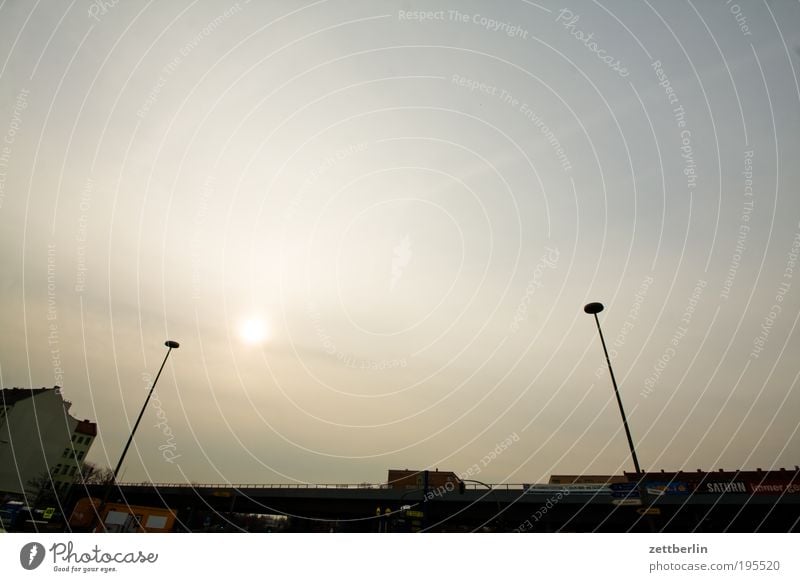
[42,446]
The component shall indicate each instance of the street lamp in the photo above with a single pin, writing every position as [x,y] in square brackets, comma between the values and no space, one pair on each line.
[171,345]
[594,309]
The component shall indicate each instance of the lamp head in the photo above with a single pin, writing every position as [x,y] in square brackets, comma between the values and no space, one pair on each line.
[593,308]
[171,344]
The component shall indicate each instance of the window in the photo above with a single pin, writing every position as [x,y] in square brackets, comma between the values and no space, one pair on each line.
[64,470]
[80,455]
[72,470]
[65,454]
[156,522]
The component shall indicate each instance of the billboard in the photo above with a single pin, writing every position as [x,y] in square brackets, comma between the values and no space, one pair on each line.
[718,487]
[759,488]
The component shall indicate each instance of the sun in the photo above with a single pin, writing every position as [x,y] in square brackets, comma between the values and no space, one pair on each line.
[254,331]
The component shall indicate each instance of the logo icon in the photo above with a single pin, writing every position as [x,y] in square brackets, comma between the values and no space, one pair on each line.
[31,555]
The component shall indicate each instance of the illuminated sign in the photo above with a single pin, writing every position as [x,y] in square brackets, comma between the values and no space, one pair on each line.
[724,487]
[774,488]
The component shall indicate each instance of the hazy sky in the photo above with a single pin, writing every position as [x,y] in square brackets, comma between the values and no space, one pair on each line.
[411,202]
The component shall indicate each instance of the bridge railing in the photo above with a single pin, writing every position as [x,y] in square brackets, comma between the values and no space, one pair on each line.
[259,485]
[376,486]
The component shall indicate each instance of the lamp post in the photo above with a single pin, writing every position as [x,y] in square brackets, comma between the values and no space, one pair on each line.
[97,520]
[594,309]
[171,345]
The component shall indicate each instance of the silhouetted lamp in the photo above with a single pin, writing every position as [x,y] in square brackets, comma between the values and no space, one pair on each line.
[594,309]
[172,345]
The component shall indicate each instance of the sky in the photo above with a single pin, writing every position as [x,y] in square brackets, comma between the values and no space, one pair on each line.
[373,226]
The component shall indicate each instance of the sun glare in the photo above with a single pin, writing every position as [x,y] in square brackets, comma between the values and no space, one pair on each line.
[253,331]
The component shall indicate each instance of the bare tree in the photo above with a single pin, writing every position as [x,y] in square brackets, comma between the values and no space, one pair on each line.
[91,473]
[43,488]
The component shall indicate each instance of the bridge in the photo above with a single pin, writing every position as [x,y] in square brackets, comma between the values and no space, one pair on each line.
[499,507]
